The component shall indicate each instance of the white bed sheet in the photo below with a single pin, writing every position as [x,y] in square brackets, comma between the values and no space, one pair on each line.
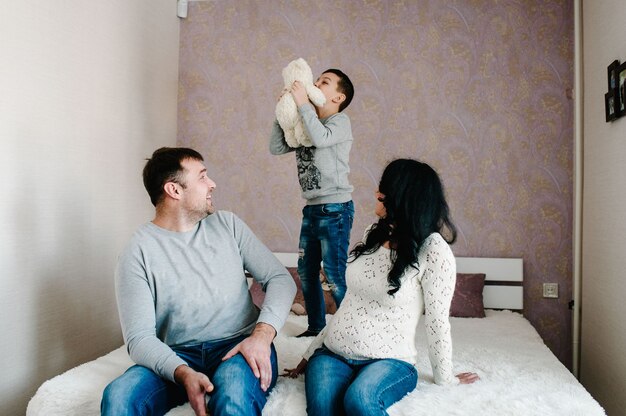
[519,376]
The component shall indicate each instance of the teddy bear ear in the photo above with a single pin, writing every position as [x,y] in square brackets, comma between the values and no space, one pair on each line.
[303,65]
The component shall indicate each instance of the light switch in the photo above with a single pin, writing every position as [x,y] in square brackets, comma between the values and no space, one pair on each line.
[550,290]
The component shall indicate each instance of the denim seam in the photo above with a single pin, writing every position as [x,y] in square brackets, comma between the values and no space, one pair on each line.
[148,398]
[396,383]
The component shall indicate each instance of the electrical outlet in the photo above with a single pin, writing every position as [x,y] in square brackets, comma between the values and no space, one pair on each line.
[550,290]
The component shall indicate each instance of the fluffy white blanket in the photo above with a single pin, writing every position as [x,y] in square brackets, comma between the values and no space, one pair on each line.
[519,376]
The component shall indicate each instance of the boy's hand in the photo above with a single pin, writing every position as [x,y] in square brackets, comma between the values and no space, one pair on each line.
[283,92]
[299,93]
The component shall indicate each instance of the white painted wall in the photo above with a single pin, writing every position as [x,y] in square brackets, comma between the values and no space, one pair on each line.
[88,89]
[603,332]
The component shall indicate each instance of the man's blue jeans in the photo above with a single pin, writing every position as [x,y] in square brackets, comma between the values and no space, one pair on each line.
[140,391]
[338,386]
[324,236]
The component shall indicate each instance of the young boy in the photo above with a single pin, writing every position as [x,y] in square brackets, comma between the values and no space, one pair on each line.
[323,174]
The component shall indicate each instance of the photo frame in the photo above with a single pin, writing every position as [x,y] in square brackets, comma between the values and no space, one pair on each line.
[612,75]
[620,98]
[610,105]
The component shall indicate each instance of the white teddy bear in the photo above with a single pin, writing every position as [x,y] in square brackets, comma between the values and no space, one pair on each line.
[286,109]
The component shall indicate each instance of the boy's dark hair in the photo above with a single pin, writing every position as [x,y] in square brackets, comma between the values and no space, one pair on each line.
[344,86]
[165,166]
[416,207]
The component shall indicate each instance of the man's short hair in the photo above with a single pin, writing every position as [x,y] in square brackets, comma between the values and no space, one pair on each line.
[344,86]
[164,166]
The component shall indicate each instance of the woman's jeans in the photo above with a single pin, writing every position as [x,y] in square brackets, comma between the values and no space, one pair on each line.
[324,236]
[140,391]
[338,386]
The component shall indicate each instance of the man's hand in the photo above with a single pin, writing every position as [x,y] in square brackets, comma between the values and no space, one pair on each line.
[256,349]
[299,93]
[196,384]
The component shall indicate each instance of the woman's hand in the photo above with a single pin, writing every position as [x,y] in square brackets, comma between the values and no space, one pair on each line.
[295,372]
[467,378]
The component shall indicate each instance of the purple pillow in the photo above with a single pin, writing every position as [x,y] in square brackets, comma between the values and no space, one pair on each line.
[467,301]
[256,291]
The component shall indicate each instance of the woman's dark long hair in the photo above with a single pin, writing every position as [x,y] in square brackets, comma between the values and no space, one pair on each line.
[416,207]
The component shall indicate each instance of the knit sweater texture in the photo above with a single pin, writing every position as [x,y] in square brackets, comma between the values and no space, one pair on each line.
[370,323]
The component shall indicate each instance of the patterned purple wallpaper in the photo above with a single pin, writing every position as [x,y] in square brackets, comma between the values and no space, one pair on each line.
[479,89]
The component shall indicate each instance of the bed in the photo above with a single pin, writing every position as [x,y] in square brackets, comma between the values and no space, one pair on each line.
[519,374]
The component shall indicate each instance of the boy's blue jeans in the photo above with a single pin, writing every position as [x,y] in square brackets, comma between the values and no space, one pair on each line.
[140,391]
[324,236]
[338,386]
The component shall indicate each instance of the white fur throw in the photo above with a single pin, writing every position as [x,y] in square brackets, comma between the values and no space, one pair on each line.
[286,109]
[519,376]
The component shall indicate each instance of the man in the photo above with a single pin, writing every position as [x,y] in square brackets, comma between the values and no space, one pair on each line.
[187,317]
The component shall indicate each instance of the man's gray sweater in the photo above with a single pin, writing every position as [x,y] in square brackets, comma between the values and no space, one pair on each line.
[185,288]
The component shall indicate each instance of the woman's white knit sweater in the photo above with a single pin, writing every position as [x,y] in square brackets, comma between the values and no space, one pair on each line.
[370,323]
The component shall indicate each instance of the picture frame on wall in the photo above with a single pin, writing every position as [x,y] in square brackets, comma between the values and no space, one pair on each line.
[610,105]
[620,97]
[612,75]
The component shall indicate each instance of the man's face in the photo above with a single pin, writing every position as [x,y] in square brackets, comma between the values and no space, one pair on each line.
[328,83]
[197,189]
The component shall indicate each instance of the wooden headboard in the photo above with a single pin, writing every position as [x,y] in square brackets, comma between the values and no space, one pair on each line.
[503,278]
